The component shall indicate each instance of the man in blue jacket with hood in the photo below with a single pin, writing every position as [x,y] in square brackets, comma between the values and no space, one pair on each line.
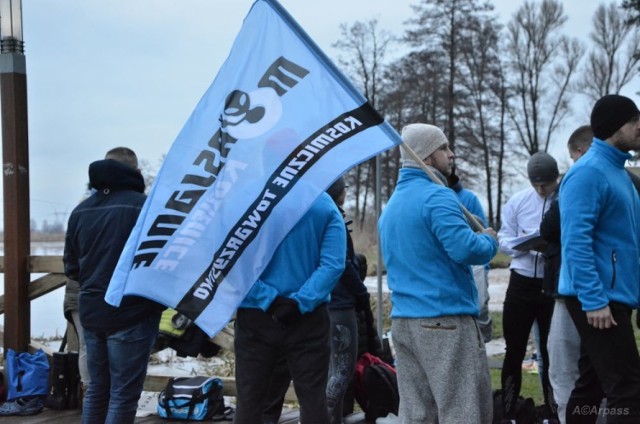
[600,277]
[428,247]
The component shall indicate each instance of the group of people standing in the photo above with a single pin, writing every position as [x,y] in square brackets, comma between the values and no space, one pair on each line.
[298,321]
[578,286]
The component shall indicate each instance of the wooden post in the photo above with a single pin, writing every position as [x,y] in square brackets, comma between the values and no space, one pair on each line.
[15,169]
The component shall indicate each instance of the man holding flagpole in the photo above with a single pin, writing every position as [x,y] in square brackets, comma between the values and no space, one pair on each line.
[248,164]
[428,247]
[285,315]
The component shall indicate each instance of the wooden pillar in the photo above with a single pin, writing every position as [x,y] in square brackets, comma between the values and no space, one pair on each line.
[15,169]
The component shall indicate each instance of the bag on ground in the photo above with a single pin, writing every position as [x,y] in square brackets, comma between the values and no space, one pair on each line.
[191,398]
[27,374]
[376,387]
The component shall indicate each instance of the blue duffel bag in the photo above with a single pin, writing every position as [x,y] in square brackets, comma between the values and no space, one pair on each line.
[191,398]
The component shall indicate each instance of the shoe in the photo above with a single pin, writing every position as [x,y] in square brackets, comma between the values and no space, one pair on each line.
[22,406]
[550,421]
[506,421]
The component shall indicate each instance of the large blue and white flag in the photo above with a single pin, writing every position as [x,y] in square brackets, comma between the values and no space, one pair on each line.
[278,125]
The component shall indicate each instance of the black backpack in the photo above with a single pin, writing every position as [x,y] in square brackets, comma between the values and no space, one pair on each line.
[525,409]
[376,387]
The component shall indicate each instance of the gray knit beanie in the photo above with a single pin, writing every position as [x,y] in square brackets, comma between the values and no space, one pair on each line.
[424,139]
[542,168]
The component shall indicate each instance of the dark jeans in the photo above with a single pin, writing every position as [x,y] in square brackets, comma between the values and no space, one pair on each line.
[609,366]
[259,344]
[524,303]
[117,364]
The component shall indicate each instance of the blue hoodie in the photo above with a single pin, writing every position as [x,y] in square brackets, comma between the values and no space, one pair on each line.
[599,212]
[428,248]
[307,264]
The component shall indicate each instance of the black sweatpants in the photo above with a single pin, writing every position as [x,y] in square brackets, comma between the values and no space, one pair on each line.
[524,303]
[259,344]
[609,367]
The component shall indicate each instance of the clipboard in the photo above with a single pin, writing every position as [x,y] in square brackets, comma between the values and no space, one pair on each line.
[530,242]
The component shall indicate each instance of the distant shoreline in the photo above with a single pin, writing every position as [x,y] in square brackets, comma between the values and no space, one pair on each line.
[40,237]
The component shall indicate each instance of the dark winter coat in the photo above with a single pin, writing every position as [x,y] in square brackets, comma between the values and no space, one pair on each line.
[96,234]
[350,291]
[550,231]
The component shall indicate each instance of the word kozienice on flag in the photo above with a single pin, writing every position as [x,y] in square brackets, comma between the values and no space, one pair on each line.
[278,125]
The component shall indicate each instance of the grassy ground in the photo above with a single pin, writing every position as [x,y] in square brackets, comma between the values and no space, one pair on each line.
[530,382]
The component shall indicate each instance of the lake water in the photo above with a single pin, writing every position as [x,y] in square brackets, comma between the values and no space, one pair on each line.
[47,317]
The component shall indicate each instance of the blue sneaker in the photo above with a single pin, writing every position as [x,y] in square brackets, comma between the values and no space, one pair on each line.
[22,406]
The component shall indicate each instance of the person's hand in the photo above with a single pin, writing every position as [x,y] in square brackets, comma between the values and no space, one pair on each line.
[491,232]
[601,318]
[284,310]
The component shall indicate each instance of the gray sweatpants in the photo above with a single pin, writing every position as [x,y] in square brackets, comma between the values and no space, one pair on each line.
[443,374]
[564,351]
[481,276]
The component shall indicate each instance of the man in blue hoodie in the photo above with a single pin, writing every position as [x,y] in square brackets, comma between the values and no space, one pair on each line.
[600,277]
[428,247]
[285,315]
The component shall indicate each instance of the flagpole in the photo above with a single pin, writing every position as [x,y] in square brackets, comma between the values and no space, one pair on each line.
[476,225]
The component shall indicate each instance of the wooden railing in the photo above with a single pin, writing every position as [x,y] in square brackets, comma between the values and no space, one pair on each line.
[54,278]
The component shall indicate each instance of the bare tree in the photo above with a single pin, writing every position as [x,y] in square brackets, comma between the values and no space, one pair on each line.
[633,9]
[413,94]
[364,46]
[543,63]
[439,26]
[613,60]
[481,76]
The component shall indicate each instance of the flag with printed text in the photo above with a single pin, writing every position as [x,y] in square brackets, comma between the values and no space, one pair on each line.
[277,126]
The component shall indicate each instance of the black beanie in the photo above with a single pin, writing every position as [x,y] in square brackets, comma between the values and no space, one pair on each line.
[610,113]
[336,188]
[542,168]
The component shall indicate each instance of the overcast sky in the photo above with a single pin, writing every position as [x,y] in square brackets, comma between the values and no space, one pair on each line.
[129,72]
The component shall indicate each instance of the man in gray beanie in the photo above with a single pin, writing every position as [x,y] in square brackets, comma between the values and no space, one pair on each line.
[525,301]
[428,248]
[599,276]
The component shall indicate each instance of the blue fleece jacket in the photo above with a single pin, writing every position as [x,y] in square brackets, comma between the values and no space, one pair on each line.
[599,212]
[307,264]
[428,248]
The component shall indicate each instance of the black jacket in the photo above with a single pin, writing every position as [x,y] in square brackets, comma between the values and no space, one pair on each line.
[350,290]
[97,231]
[550,231]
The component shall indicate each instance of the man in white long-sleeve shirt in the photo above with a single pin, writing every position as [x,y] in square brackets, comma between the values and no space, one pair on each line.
[525,301]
